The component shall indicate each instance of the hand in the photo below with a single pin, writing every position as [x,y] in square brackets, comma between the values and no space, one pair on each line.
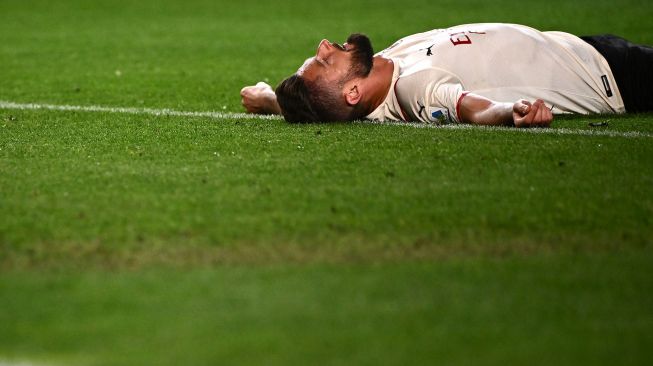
[260,99]
[537,114]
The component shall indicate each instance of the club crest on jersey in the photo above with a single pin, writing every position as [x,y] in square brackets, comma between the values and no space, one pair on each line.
[439,115]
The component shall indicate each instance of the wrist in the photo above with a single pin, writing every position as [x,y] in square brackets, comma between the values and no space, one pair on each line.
[271,105]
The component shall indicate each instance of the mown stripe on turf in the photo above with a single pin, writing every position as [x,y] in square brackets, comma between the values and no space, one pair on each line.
[227,115]
[7,363]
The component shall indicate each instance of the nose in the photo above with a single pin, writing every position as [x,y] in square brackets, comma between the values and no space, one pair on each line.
[324,48]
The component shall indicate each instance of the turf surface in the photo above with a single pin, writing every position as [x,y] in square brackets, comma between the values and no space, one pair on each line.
[137,239]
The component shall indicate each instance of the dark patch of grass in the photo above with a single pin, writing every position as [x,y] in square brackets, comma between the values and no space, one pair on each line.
[588,308]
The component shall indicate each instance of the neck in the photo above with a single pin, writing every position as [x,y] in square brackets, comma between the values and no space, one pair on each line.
[377,84]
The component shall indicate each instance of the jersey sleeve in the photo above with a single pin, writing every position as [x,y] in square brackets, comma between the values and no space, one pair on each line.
[443,102]
[430,96]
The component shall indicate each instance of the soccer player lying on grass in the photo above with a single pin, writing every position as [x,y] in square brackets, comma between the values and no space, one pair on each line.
[491,74]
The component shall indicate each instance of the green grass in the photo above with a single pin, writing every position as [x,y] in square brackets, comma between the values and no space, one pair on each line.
[588,309]
[136,239]
[137,187]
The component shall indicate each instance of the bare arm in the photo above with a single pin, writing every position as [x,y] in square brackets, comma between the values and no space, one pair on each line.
[476,109]
[260,99]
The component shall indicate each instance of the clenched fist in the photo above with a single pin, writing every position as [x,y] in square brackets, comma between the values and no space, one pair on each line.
[260,99]
[527,114]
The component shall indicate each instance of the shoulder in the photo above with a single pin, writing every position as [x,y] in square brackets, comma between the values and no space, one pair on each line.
[428,95]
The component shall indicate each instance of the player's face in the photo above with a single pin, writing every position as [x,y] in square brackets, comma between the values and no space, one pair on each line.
[334,63]
[331,63]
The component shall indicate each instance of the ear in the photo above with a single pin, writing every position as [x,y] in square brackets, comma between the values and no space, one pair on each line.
[352,93]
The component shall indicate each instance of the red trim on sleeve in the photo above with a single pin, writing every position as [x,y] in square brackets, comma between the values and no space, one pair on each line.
[458,106]
[401,109]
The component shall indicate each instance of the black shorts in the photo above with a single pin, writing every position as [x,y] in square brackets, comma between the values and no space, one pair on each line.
[632,67]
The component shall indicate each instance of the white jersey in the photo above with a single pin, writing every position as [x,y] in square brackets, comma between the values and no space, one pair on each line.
[503,62]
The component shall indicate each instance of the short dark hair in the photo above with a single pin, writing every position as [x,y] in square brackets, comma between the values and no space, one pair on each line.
[304,101]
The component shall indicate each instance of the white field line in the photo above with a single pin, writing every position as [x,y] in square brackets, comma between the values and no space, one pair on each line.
[131,110]
[543,131]
[227,115]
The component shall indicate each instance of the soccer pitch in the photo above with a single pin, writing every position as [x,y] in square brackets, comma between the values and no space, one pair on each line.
[145,220]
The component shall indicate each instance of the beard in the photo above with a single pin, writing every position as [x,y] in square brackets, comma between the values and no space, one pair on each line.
[362,55]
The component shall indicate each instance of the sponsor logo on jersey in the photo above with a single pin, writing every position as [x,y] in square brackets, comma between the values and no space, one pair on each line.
[606,85]
[439,115]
